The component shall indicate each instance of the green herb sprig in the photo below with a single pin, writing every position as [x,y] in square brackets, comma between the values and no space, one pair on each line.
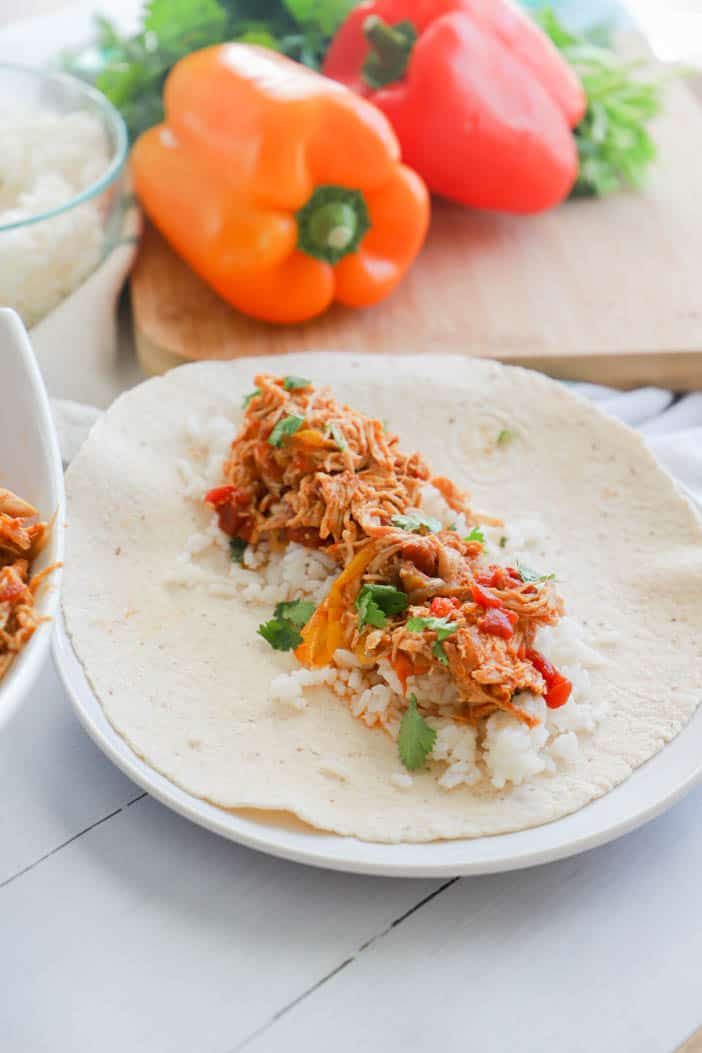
[417,738]
[134,67]
[443,629]
[375,603]
[615,148]
[282,631]
[416,522]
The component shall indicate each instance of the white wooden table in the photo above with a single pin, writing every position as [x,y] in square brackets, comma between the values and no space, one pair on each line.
[124,927]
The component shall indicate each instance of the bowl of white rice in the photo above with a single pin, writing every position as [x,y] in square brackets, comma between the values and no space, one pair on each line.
[62,153]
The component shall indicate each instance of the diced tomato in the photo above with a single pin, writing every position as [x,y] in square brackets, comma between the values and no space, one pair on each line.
[487,577]
[219,495]
[497,623]
[547,670]
[229,502]
[440,606]
[558,692]
[558,687]
[484,597]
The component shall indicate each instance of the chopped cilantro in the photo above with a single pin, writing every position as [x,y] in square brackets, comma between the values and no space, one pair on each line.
[506,436]
[503,541]
[451,526]
[251,395]
[337,435]
[437,649]
[476,534]
[293,383]
[375,602]
[416,739]
[298,612]
[443,629]
[237,546]
[529,575]
[286,426]
[417,522]
[282,631]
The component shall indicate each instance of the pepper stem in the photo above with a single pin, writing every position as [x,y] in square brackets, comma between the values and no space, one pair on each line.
[332,223]
[389,50]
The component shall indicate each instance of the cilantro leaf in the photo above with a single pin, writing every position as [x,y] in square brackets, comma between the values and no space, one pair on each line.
[416,739]
[506,436]
[291,383]
[251,395]
[443,629]
[286,426]
[451,526]
[282,631]
[530,576]
[441,626]
[298,612]
[237,546]
[437,649]
[503,541]
[614,145]
[375,602]
[476,534]
[280,634]
[416,522]
[324,15]
[337,435]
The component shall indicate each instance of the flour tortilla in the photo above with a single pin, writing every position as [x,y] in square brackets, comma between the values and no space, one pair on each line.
[184,678]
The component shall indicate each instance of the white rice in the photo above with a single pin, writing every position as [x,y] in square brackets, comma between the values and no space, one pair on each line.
[504,751]
[46,159]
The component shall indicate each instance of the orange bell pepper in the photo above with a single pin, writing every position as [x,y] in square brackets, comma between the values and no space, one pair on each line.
[281,188]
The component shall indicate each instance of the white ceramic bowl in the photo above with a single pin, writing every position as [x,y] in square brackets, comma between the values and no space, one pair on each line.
[30,464]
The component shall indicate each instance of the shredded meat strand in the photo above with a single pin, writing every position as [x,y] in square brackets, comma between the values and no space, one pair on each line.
[22,536]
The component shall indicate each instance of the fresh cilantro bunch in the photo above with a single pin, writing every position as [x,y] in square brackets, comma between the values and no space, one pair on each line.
[614,145]
[135,67]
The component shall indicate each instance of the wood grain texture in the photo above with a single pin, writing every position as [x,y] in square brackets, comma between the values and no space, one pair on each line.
[608,291]
[693,1044]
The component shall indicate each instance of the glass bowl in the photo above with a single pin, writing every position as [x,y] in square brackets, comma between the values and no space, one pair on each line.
[56,227]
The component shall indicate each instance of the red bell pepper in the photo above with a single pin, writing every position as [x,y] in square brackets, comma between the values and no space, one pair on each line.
[481,101]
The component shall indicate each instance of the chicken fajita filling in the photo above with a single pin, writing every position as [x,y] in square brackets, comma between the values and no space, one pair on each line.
[421,596]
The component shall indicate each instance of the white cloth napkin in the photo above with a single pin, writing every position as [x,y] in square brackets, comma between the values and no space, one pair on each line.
[671,427]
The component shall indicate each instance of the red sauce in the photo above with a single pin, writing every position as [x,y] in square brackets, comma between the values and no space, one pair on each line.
[229,503]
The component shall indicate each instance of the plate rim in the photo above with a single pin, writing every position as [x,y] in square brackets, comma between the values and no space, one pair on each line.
[333,851]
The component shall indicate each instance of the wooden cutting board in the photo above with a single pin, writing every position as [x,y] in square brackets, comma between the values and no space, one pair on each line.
[602,290]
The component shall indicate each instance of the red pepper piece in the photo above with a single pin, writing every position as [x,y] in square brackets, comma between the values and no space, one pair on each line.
[229,502]
[219,495]
[487,577]
[558,687]
[440,606]
[484,597]
[480,99]
[498,622]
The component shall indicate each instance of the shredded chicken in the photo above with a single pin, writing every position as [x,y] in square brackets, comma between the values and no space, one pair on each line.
[334,482]
[304,468]
[21,538]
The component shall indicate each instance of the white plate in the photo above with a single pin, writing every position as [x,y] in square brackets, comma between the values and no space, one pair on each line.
[30,465]
[653,787]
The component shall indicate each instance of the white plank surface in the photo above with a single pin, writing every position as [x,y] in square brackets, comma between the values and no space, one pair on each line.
[147,933]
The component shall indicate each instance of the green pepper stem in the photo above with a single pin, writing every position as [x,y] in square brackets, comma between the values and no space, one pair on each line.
[389,50]
[332,223]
